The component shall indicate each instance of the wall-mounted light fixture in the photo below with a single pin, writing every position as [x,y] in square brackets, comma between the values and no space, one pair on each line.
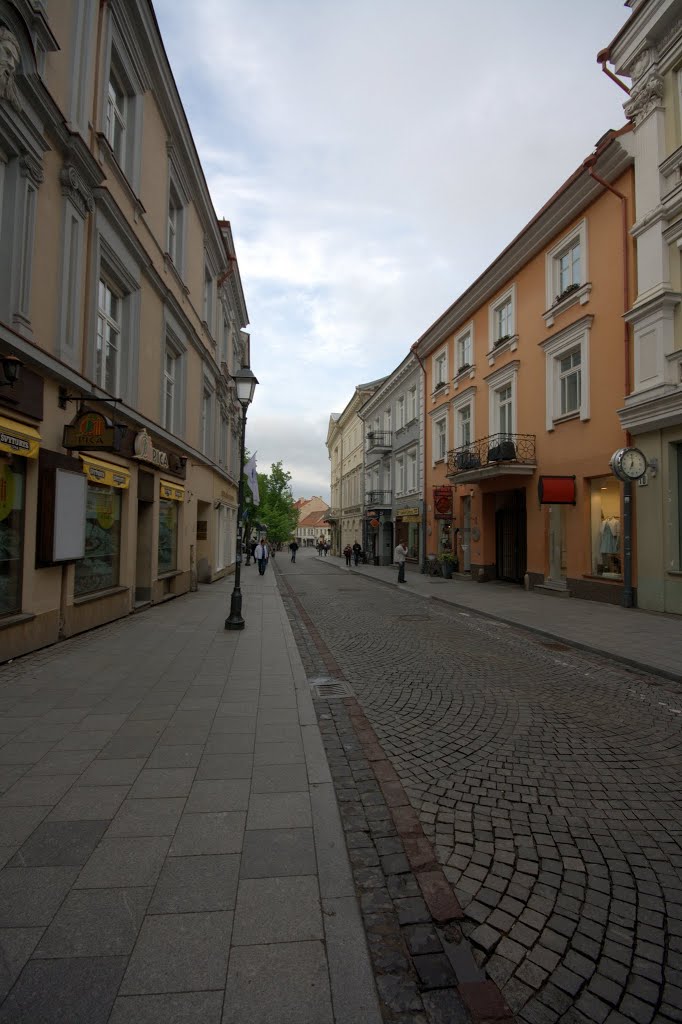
[11,368]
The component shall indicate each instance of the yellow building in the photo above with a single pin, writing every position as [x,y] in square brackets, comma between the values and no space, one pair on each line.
[120,298]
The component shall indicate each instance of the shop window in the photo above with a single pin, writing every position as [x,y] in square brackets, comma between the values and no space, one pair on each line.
[12,499]
[168,536]
[606,527]
[99,568]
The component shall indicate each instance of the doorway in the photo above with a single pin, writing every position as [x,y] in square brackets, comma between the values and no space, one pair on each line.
[557,545]
[466,535]
[510,536]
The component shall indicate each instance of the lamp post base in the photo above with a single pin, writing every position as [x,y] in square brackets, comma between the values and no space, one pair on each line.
[234,619]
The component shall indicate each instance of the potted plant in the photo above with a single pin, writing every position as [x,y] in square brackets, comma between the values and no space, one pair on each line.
[502,339]
[449,564]
[463,367]
[567,291]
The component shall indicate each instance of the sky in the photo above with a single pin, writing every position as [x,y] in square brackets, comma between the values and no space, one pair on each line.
[373,157]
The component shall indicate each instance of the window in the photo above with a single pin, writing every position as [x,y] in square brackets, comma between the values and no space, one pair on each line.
[504,405]
[387,420]
[411,405]
[568,266]
[99,568]
[440,369]
[400,413]
[566,270]
[208,298]
[440,440]
[567,373]
[168,536]
[175,211]
[605,527]
[12,502]
[169,378]
[400,475]
[464,426]
[223,440]
[108,346]
[569,382]
[206,422]
[412,471]
[464,351]
[502,318]
[115,122]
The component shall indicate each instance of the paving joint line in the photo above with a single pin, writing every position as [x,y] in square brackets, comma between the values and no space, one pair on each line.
[481,996]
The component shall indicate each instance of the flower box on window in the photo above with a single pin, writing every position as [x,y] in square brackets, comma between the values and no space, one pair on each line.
[500,341]
[566,292]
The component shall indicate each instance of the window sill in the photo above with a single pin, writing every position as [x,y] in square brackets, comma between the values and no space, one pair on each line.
[169,575]
[581,295]
[99,594]
[468,373]
[569,416]
[120,173]
[509,345]
[443,389]
[16,619]
[175,272]
[674,572]
[602,579]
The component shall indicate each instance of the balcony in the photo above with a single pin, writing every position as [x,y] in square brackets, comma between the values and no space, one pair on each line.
[495,455]
[378,499]
[379,440]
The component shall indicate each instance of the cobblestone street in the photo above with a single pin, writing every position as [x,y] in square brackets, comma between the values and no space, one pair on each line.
[547,779]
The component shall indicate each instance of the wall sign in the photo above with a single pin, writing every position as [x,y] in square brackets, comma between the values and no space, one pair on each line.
[556,490]
[145,450]
[442,502]
[90,430]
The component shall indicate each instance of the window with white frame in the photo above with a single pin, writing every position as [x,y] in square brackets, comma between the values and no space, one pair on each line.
[440,369]
[440,439]
[400,474]
[502,399]
[463,410]
[400,412]
[464,426]
[207,421]
[208,297]
[411,404]
[567,373]
[502,317]
[223,439]
[176,220]
[169,388]
[566,265]
[108,343]
[464,347]
[412,471]
[123,97]
[504,408]
[387,420]
[116,112]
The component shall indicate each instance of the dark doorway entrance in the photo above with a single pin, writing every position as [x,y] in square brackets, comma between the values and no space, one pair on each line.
[510,536]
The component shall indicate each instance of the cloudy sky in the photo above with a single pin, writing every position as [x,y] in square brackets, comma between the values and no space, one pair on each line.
[373,157]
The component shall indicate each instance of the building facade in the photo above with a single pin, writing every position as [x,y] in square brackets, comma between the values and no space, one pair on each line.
[122,302]
[648,50]
[393,465]
[345,446]
[525,373]
[312,524]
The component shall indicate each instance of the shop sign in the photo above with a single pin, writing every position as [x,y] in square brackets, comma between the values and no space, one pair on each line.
[19,439]
[408,515]
[171,491]
[105,473]
[89,430]
[556,490]
[373,514]
[145,450]
[442,502]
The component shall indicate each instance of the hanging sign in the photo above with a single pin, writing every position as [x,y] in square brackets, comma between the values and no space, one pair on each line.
[556,490]
[89,430]
[442,502]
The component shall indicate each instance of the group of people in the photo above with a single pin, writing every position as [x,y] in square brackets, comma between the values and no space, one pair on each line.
[261,550]
[323,547]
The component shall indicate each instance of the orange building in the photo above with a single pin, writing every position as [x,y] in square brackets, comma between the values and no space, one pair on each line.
[524,375]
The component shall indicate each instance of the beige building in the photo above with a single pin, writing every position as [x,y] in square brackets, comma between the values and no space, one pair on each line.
[345,446]
[121,298]
[312,522]
[648,50]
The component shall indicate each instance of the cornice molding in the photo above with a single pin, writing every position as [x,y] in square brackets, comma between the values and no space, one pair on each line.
[646,99]
[75,189]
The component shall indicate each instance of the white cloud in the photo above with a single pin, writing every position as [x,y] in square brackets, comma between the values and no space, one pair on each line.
[373,158]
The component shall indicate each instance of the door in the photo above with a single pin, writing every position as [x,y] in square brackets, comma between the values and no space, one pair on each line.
[466,535]
[143,563]
[510,536]
[557,544]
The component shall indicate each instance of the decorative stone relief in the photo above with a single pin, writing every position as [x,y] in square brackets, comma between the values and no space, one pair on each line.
[31,168]
[641,64]
[647,97]
[77,191]
[10,59]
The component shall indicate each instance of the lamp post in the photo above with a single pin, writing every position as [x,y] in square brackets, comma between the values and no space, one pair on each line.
[246,382]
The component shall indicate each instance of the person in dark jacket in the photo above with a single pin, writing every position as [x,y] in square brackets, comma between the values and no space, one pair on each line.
[357,551]
[293,547]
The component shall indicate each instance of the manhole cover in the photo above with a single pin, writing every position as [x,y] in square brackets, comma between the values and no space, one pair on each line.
[553,646]
[328,688]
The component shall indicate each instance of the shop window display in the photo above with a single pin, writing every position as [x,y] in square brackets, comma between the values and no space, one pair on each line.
[12,492]
[168,536]
[99,568]
[606,528]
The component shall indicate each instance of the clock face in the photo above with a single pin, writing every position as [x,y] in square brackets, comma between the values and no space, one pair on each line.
[633,463]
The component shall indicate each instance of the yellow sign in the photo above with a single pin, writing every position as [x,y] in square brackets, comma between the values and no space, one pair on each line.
[408,515]
[6,491]
[105,473]
[175,492]
[105,510]
[19,439]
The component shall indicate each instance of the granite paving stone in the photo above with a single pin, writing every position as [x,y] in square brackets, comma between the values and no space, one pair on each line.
[55,843]
[279,810]
[87,986]
[195,884]
[149,817]
[16,946]
[29,896]
[179,953]
[176,1008]
[83,803]
[273,910]
[209,832]
[259,985]
[95,922]
[275,852]
[218,795]
[163,782]
[128,861]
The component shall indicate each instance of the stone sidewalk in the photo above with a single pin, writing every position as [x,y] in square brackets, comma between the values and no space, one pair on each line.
[646,640]
[170,842]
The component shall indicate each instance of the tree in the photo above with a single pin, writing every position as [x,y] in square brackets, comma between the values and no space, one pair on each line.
[276,509]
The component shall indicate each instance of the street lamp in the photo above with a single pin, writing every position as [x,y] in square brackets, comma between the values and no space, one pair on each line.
[245,382]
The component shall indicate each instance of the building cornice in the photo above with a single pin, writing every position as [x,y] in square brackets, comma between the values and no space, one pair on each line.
[394,380]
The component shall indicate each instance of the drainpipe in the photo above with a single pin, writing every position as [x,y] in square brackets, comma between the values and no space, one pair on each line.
[628,594]
[602,57]
[413,350]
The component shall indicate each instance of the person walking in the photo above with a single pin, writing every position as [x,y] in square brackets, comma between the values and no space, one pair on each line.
[293,547]
[261,554]
[357,550]
[348,552]
[399,556]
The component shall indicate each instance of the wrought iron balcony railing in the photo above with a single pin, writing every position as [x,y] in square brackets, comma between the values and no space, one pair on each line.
[378,499]
[379,440]
[496,450]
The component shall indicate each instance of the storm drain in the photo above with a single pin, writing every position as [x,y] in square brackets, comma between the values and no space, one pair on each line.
[328,688]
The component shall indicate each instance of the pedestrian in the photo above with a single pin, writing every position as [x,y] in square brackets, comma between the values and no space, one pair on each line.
[320,545]
[399,557]
[261,554]
[293,547]
[253,544]
[348,552]
[326,549]
[357,551]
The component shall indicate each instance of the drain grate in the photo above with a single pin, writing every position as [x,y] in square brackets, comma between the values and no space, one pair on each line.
[328,688]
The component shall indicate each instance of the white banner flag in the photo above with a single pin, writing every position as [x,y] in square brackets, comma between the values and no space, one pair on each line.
[252,478]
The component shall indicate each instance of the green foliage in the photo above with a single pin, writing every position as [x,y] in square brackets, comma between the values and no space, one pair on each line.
[276,509]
